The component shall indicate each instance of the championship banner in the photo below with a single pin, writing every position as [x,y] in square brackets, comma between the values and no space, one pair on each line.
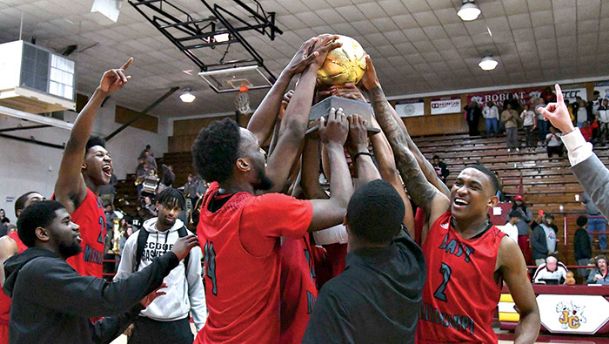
[410,108]
[570,94]
[498,97]
[444,106]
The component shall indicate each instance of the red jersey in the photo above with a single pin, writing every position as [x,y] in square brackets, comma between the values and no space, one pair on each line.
[460,293]
[240,241]
[90,217]
[298,289]
[20,245]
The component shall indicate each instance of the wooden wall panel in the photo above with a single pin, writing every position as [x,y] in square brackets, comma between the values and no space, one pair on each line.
[193,126]
[123,115]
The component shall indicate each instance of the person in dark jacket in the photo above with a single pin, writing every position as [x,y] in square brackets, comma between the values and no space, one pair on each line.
[378,296]
[582,245]
[440,167]
[52,302]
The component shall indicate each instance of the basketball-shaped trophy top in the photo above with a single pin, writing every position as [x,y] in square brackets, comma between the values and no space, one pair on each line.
[345,64]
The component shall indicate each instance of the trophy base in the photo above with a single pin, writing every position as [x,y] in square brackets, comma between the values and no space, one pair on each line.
[349,106]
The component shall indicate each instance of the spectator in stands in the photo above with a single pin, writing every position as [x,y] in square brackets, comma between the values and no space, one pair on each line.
[108,191]
[603,118]
[4,222]
[519,205]
[582,246]
[587,167]
[544,240]
[491,118]
[168,176]
[581,116]
[510,227]
[586,131]
[528,118]
[472,115]
[510,119]
[599,275]
[550,272]
[542,123]
[440,167]
[597,224]
[553,143]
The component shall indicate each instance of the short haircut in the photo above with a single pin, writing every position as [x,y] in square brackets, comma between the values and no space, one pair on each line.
[549,216]
[582,221]
[39,214]
[216,149]
[95,141]
[514,213]
[20,202]
[171,198]
[435,157]
[375,212]
[492,176]
[549,258]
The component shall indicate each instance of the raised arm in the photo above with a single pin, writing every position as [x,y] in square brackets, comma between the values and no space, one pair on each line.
[296,118]
[70,188]
[512,267]
[389,172]
[333,133]
[423,192]
[380,104]
[262,121]
[590,171]
[310,169]
[358,148]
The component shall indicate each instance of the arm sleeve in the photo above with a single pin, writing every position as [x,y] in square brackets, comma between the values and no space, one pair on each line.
[594,178]
[329,322]
[109,328]
[591,277]
[196,293]
[125,267]
[577,147]
[66,291]
[277,215]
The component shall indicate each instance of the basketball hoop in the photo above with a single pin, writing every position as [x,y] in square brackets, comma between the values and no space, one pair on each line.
[242,101]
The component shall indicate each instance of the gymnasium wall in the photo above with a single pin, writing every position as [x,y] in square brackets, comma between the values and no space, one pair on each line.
[25,166]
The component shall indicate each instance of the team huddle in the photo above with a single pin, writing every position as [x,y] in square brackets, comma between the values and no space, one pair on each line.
[272,237]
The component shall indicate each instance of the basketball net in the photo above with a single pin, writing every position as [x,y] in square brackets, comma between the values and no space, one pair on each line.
[242,102]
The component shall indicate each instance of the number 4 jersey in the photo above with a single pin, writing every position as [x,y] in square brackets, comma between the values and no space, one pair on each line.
[239,234]
[460,293]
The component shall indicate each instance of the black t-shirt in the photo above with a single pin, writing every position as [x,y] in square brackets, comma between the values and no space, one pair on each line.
[375,300]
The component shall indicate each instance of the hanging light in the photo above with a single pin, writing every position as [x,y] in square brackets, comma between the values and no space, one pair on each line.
[469,10]
[488,63]
[187,97]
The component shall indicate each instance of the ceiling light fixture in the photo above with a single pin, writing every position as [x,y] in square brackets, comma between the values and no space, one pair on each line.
[488,63]
[469,10]
[221,38]
[187,97]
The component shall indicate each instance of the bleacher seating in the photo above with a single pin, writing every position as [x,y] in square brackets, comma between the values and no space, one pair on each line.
[545,183]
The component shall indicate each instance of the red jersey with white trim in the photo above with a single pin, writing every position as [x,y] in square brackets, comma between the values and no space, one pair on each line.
[92,221]
[239,235]
[460,294]
[298,289]
[20,245]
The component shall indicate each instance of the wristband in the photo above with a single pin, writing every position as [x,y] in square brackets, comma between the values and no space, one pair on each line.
[360,153]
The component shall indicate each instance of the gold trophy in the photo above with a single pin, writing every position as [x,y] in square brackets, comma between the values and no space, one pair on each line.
[345,64]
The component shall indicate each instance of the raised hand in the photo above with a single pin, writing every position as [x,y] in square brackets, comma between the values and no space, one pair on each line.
[358,135]
[325,44]
[183,246]
[147,300]
[114,79]
[558,114]
[349,91]
[335,128]
[370,79]
[303,57]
